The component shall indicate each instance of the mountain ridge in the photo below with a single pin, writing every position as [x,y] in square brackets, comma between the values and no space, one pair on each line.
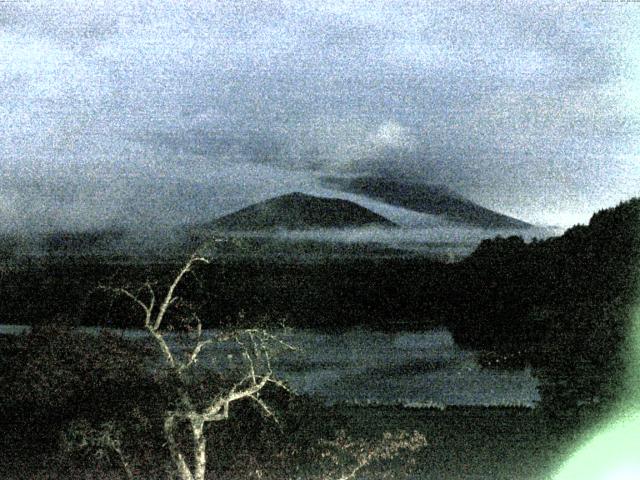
[433,199]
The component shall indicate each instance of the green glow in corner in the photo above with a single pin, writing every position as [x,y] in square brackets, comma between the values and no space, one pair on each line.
[612,452]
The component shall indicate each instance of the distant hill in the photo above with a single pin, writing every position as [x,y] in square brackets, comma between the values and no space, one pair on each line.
[425,198]
[297,211]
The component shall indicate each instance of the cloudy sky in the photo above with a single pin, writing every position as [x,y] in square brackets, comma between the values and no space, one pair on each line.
[155,112]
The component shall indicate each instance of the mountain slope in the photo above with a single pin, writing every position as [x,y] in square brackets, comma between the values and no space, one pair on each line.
[424,198]
[300,211]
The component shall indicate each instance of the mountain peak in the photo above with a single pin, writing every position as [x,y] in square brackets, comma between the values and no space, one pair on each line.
[297,211]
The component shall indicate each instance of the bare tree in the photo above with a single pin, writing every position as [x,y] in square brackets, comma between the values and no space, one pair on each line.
[347,457]
[256,346]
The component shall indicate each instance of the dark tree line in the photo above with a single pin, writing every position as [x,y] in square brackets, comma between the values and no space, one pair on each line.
[561,305]
[330,293]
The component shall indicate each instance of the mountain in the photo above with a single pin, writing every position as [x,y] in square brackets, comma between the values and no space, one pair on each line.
[425,198]
[298,211]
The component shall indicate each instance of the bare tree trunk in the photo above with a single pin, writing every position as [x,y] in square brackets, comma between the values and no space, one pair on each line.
[200,452]
[178,459]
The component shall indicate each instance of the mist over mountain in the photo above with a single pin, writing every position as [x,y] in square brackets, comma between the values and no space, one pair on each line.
[288,225]
[299,211]
[425,198]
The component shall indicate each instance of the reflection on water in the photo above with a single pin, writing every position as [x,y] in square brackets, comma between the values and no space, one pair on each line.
[411,369]
[364,367]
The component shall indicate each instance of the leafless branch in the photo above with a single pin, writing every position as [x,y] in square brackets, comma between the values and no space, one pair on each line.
[169,297]
[264,407]
[193,357]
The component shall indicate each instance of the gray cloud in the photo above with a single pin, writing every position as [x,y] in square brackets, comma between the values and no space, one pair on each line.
[146,111]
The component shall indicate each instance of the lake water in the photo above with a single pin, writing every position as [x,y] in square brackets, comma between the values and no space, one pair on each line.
[364,367]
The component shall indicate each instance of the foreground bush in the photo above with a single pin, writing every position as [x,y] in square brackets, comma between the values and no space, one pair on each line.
[52,375]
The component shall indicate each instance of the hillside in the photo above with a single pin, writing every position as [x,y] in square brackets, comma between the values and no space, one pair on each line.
[561,304]
[425,198]
[298,211]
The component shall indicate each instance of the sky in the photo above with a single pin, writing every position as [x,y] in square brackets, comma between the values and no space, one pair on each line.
[157,113]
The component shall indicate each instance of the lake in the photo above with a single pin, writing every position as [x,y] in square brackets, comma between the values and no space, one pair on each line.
[363,367]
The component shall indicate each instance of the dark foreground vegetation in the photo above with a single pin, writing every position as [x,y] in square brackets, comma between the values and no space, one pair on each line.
[72,398]
[79,405]
[62,385]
